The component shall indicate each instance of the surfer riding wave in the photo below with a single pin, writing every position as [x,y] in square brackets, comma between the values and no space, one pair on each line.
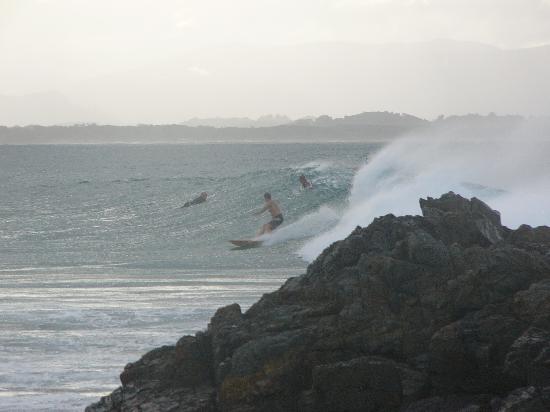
[276,215]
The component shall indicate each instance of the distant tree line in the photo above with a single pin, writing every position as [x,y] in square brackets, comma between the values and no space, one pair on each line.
[368,126]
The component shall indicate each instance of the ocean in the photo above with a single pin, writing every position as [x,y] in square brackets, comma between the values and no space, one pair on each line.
[99,263]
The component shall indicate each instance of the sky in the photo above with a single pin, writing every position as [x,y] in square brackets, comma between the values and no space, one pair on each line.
[68,47]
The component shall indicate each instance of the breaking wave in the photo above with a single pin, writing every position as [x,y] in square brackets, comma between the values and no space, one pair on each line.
[510,173]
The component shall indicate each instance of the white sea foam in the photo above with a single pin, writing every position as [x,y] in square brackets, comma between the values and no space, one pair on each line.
[309,225]
[316,165]
[511,174]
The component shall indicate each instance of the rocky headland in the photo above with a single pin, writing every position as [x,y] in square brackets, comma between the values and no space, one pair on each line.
[449,311]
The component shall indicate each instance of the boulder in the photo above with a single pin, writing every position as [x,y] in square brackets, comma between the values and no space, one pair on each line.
[528,358]
[527,399]
[362,384]
[449,311]
[463,221]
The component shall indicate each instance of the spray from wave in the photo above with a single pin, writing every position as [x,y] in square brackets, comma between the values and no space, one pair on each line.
[307,226]
[511,174]
[316,166]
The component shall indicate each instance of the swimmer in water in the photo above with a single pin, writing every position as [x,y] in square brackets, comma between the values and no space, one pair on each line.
[201,199]
[305,183]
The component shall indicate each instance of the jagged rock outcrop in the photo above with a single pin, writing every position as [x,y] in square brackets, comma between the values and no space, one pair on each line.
[449,311]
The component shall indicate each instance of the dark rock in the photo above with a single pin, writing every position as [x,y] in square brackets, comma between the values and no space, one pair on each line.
[530,238]
[112,402]
[193,356]
[152,398]
[362,384]
[463,221]
[528,399]
[528,359]
[166,379]
[414,384]
[449,311]
[454,403]
[467,355]
[158,365]
[533,304]
[224,329]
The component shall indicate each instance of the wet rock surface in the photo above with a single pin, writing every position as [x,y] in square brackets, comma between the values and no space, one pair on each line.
[449,311]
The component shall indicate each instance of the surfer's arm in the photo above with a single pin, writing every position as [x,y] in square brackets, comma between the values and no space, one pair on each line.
[263,209]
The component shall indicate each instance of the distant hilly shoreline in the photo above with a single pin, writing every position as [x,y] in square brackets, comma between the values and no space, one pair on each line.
[366,126]
[425,78]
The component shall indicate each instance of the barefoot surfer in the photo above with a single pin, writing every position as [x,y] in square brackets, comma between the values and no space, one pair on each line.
[276,215]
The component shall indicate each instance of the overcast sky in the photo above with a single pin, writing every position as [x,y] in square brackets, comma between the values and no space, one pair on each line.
[55,45]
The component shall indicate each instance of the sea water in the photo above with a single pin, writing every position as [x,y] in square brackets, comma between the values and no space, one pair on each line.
[99,264]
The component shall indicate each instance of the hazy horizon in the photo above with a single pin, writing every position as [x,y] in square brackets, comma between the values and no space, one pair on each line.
[130,62]
[269,120]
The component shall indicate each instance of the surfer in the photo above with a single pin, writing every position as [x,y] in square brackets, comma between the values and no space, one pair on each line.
[306,184]
[276,215]
[201,199]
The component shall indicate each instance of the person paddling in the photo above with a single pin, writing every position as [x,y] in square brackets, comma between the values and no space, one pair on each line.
[201,199]
[276,215]
[306,184]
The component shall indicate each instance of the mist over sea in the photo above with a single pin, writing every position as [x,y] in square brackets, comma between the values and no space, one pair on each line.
[99,263]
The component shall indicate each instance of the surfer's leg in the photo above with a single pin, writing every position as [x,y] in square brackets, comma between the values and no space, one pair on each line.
[265,229]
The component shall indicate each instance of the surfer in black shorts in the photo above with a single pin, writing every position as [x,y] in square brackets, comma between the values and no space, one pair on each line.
[276,215]
[276,222]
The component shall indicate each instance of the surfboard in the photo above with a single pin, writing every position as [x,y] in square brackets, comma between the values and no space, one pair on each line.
[247,243]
